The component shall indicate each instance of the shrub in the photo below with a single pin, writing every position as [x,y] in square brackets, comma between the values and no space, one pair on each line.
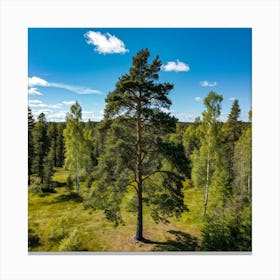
[216,236]
[59,229]
[33,239]
[35,184]
[233,232]
[71,243]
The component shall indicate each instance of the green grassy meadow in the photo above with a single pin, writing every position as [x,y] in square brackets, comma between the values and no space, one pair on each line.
[59,219]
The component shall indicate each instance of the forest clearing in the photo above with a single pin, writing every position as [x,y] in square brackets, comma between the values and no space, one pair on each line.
[48,213]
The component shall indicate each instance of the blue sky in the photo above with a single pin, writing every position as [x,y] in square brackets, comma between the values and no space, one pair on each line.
[84,64]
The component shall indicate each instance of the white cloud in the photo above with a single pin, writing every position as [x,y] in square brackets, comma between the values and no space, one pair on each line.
[35,81]
[57,116]
[34,91]
[208,84]
[197,99]
[76,89]
[176,66]
[34,103]
[231,98]
[37,103]
[185,117]
[68,103]
[165,110]
[105,43]
[57,113]
[36,112]
[93,115]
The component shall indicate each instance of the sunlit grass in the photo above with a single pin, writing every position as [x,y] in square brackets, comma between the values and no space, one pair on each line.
[98,234]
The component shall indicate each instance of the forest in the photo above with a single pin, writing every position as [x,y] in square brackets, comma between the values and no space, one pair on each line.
[140,180]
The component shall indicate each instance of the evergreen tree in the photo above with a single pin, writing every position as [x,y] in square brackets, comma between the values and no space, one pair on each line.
[137,152]
[48,168]
[76,157]
[242,165]
[40,145]
[232,132]
[51,134]
[30,142]
[59,146]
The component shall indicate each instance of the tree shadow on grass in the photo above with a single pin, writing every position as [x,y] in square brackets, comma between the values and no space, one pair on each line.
[74,197]
[181,241]
[57,184]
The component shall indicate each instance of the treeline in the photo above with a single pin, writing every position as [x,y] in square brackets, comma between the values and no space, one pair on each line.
[139,146]
[47,148]
[220,156]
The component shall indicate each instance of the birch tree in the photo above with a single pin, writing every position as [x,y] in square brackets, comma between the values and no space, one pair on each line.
[76,157]
[205,160]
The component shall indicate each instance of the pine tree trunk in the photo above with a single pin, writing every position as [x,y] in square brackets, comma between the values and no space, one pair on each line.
[139,229]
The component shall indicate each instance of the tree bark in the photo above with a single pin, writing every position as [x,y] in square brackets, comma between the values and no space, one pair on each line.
[139,229]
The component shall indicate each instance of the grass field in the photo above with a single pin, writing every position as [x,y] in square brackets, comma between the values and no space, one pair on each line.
[59,222]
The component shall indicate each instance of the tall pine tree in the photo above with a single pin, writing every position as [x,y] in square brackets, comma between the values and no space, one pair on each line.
[137,152]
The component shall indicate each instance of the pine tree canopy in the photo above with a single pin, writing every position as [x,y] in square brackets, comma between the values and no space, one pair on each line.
[138,153]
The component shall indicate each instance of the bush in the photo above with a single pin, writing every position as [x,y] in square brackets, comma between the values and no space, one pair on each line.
[33,239]
[233,232]
[216,236]
[35,184]
[59,229]
[71,243]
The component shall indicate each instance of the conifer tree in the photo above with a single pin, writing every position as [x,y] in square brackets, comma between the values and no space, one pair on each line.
[59,146]
[137,152]
[51,135]
[48,168]
[242,164]
[232,132]
[40,145]
[30,142]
